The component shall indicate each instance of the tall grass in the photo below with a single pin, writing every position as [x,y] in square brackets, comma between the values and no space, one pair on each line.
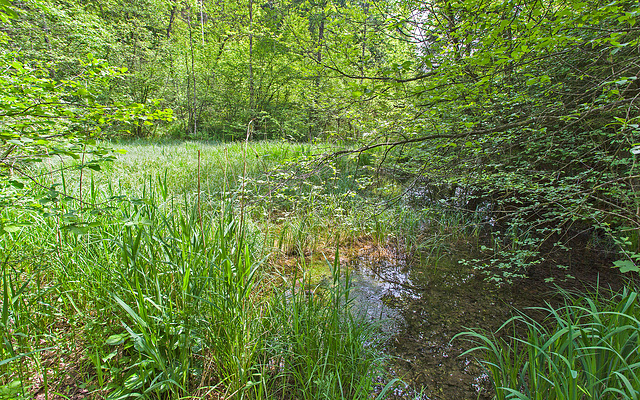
[321,349]
[156,294]
[587,349]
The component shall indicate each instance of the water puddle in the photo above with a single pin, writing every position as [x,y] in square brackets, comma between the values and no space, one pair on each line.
[422,306]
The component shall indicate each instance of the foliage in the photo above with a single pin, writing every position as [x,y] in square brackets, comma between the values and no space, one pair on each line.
[42,118]
[164,290]
[196,56]
[528,106]
[513,124]
[586,348]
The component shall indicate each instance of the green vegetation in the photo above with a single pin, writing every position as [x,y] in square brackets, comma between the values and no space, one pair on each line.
[588,348]
[165,291]
[529,108]
[266,139]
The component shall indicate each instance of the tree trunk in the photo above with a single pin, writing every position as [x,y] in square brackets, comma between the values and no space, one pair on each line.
[365,7]
[193,76]
[171,18]
[202,21]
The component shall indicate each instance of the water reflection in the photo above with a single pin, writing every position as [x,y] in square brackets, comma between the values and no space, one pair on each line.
[422,307]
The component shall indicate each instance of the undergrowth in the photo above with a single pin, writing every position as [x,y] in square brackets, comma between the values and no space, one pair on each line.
[589,348]
[155,281]
[161,276]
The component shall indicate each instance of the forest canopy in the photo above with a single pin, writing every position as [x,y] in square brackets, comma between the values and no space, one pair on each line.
[530,106]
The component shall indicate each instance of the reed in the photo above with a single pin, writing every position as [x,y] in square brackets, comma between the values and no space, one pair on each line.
[589,348]
[159,291]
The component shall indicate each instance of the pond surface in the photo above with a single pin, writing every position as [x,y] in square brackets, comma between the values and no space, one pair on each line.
[422,306]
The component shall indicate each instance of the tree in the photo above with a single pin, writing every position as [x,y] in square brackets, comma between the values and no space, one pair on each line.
[43,116]
[530,105]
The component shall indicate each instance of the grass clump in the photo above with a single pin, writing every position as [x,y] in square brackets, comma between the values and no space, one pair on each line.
[321,350]
[165,291]
[589,348]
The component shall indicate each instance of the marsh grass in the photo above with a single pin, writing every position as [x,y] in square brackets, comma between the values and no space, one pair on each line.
[589,348]
[159,285]
[331,359]
[160,275]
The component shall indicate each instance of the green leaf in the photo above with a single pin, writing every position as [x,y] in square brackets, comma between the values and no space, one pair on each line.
[11,228]
[76,229]
[16,184]
[115,340]
[109,356]
[626,266]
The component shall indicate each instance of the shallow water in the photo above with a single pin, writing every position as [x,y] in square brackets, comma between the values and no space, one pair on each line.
[422,306]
